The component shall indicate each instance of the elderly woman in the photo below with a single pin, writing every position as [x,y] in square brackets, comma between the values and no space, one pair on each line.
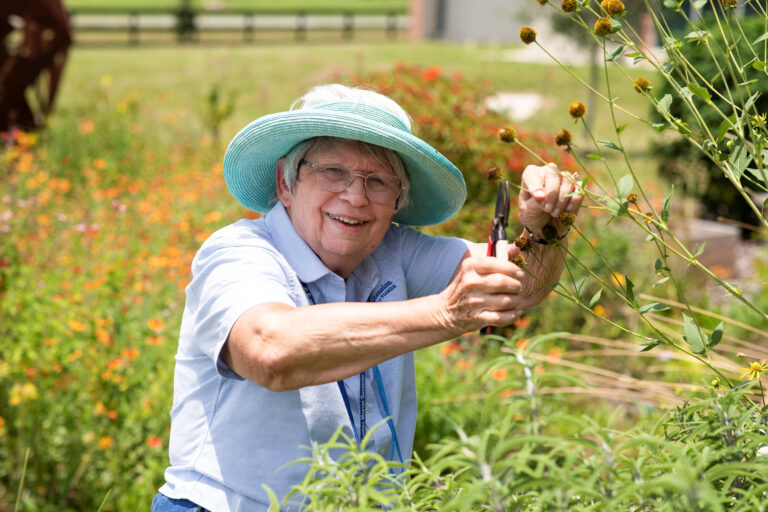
[306,319]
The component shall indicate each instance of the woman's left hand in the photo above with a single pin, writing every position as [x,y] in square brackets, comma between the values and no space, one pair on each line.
[546,192]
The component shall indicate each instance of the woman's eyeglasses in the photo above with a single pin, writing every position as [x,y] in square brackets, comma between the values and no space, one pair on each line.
[336,177]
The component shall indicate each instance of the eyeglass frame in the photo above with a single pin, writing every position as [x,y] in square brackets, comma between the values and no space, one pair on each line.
[353,175]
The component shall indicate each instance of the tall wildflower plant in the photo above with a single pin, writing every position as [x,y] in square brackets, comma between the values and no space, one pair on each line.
[737,146]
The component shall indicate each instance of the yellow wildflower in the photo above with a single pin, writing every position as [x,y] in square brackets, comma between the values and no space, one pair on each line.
[527,35]
[754,370]
[603,27]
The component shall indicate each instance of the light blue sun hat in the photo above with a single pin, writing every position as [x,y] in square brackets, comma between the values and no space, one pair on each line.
[437,189]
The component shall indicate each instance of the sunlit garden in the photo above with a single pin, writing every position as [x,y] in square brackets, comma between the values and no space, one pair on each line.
[637,385]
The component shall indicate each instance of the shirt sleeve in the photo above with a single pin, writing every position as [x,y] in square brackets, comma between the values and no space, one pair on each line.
[229,277]
[429,261]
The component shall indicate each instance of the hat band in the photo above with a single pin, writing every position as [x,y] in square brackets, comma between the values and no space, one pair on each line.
[368,111]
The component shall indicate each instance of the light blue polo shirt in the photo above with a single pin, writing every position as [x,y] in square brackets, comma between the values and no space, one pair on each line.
[228,434]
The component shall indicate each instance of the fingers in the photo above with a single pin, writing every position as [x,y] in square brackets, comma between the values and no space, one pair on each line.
[552,188]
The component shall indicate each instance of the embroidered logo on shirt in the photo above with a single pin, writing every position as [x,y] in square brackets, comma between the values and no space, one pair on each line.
[383,291]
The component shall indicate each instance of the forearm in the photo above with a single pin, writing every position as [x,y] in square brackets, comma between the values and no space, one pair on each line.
[285,348]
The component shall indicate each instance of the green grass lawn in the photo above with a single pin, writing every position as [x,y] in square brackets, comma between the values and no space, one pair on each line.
[265,78]
[260,5]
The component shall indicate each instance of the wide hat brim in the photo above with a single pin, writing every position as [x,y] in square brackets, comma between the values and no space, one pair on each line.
[437,189]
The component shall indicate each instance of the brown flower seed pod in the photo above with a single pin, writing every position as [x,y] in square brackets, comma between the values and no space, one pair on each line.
[642,85]
[543,2]
[519,260]
[612,7]
[549,232]
[577,109]
[563,138]
[729,4]
[566,218]
[493,174]
[507,134]
[527,35]
[523,243]
[632,198]
[603,27]
[569,5]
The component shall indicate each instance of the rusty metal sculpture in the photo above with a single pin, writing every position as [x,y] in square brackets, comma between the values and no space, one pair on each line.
[42,49]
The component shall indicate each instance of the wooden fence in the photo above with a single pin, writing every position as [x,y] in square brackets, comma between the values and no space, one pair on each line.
[187,25]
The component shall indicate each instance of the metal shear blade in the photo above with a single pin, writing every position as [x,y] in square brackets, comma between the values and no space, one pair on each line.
[501,216]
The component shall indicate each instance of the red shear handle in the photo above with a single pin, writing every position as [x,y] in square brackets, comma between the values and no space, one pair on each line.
[491,247]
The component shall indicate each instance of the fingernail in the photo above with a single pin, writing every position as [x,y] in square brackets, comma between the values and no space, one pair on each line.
[569,208]
[556,212]
[538,193]
[548,207]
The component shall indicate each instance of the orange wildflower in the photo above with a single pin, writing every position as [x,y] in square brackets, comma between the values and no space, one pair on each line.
[499,374]
[154,442]
[76,325]
[130,353]
[431,74]
[105,442]
[522,343]
[156,324]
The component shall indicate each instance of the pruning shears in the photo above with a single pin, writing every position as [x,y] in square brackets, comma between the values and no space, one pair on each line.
[498,245]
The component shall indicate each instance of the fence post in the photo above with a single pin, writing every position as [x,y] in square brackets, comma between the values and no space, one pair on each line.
[133,28]
[348,25]
[392,25]
[301,26]
[248,27]
[186,25]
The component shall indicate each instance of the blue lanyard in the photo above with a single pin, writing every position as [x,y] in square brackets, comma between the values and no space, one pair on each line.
[382,396]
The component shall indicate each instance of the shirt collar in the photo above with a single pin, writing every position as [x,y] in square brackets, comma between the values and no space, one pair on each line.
[300,256]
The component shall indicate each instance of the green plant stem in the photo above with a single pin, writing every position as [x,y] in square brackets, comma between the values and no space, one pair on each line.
[17,506]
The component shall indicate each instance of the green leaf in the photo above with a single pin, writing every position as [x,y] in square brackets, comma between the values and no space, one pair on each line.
[609,144]
[650,344]
[698,4]
[615,25]
[624,186]
[667,205]
[658,265]
[595,298]
[696,35]
[701,92]
[760,39]
[653,306]
[621,128]
[631,291]
[748,104]
[616,53]
[672,4]
[724,127]
[739,157]
[595,156]
[759,65]
[664,103]
[699,250]
[693,335]
[661,281]
[717,335]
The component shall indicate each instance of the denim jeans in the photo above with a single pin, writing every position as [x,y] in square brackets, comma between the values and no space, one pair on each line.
[162,503]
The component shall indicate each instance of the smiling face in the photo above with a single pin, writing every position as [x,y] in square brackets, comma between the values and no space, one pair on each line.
[342,228]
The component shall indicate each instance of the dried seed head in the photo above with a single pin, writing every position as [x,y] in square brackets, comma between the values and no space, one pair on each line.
[508,134]
[519,260]
[612,7]
[527,35]
[642,84]
[543,2]
[566,218]
[577,109]
[729,4]
[603,27]
[563,138]
[493,174]
[632,198]
[523,243]
[569,5]
[549,232]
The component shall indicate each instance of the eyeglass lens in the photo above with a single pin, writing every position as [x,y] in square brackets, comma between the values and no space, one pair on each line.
[336,177]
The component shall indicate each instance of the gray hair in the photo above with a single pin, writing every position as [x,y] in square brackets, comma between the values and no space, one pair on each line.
[335,92]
